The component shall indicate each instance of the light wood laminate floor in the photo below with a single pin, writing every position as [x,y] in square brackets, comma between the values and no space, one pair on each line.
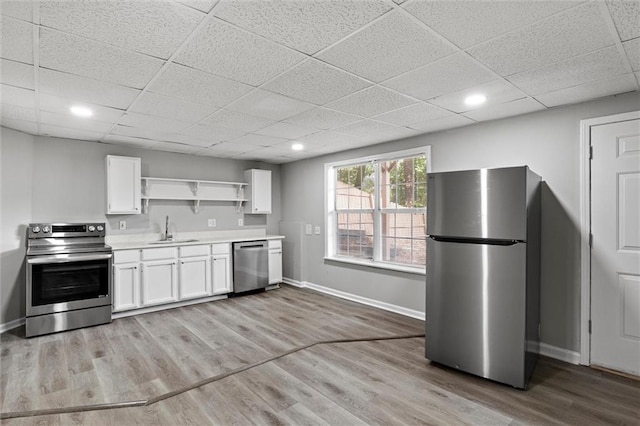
[368,382]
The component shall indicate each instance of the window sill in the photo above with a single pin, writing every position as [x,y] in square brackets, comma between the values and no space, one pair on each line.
[419,270]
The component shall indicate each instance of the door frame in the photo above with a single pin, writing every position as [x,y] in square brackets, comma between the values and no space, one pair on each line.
[585,224]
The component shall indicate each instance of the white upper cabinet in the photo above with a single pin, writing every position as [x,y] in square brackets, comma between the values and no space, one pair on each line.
[123,185]
[258,191]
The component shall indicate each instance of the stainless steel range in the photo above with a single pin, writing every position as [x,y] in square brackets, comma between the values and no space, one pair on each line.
[68,277]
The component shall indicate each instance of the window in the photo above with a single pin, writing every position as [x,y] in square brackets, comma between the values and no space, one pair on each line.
[376,210]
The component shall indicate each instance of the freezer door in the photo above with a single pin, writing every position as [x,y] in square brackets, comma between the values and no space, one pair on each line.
[487,203]
[475,309]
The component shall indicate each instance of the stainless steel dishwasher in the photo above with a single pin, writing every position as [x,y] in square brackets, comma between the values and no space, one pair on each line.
[250,266]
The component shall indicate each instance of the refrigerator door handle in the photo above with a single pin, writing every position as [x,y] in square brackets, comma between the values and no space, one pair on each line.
[488,241]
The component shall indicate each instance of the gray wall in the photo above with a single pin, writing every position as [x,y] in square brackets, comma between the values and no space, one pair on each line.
[547,141]
[59,180]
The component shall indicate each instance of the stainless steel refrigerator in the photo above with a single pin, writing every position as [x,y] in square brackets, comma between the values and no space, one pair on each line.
[483,272]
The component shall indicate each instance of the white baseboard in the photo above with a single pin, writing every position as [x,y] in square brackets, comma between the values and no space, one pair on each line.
[355,298]
[561,354]
[11,325]
[555,352]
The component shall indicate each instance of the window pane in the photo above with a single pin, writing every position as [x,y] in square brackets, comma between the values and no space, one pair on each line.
[403,238]
[355,235]
[355,187]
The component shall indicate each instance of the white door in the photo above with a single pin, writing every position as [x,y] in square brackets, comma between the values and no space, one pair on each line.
[126,287]
[159,282]
[221,277]
[275,266]
[195,277]
[615,253]
[123,185]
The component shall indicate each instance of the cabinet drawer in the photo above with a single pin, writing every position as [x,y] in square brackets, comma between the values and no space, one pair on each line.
[219,248]
[275,244]
[126,256]
[159,253]
[190,251]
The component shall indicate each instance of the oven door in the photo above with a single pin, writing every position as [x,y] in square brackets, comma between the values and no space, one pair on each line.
[65,282]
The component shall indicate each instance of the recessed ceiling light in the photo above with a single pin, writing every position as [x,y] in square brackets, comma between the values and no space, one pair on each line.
[475,100]
[297,147]
[81,111]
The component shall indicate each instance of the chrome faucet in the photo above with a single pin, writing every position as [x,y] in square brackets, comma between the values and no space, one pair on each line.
[167,235]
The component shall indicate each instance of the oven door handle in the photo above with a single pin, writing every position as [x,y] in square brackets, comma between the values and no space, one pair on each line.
[67,258]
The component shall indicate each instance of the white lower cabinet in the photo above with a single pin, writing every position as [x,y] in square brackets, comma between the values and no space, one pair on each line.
[126,286]
[195,277]
[156,276]
[159,282]
[275,261]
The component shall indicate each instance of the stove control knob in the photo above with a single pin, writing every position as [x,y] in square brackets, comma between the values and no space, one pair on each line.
[35,229]
[91,228]
[46,229]
[100,228]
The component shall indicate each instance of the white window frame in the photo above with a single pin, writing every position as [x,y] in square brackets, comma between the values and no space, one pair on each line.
[330,217]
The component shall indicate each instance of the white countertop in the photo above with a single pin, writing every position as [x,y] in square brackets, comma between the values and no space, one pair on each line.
[142,241]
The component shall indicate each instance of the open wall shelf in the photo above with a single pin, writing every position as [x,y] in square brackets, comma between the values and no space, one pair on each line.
[191,190]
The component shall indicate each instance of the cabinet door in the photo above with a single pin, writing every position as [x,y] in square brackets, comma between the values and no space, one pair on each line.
[275,266]
[221,265]
[195,277]
[123,185]
[259,191]
[159,282]
[126,287]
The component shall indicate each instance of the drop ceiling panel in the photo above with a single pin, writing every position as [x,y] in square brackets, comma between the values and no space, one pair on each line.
[374,130]
[257,140]
[632,49]
[16,112]
[497,92]
[85,89]
[237,120]
[192,85]
[316,82]
[30,127]
[626,16]
[216,48]
[307,26]
[574,32]
[467,23]
[99,61]
[60,105]
[285,130]
[386,48]
[176,147]
[212,134]
[233,148]
[453,73]
[164,106]
[129,141]
[143,121]
[328,138]
[69,133]
[137,132]
[372,101]
[414,113]
[508,109]
[269,105]
[202,5]
[156,28]
[599,65]
[76,123]
[17,96]
[597,89]
[18,9]
[16,74]
[322,118]
[442,123]
[16,40]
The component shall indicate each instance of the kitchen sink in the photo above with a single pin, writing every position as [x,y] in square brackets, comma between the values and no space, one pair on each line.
[172,241]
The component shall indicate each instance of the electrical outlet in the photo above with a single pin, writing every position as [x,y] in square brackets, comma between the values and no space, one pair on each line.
[123,224]
[308,229]
[240,222]
[211,223]
[317,230]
